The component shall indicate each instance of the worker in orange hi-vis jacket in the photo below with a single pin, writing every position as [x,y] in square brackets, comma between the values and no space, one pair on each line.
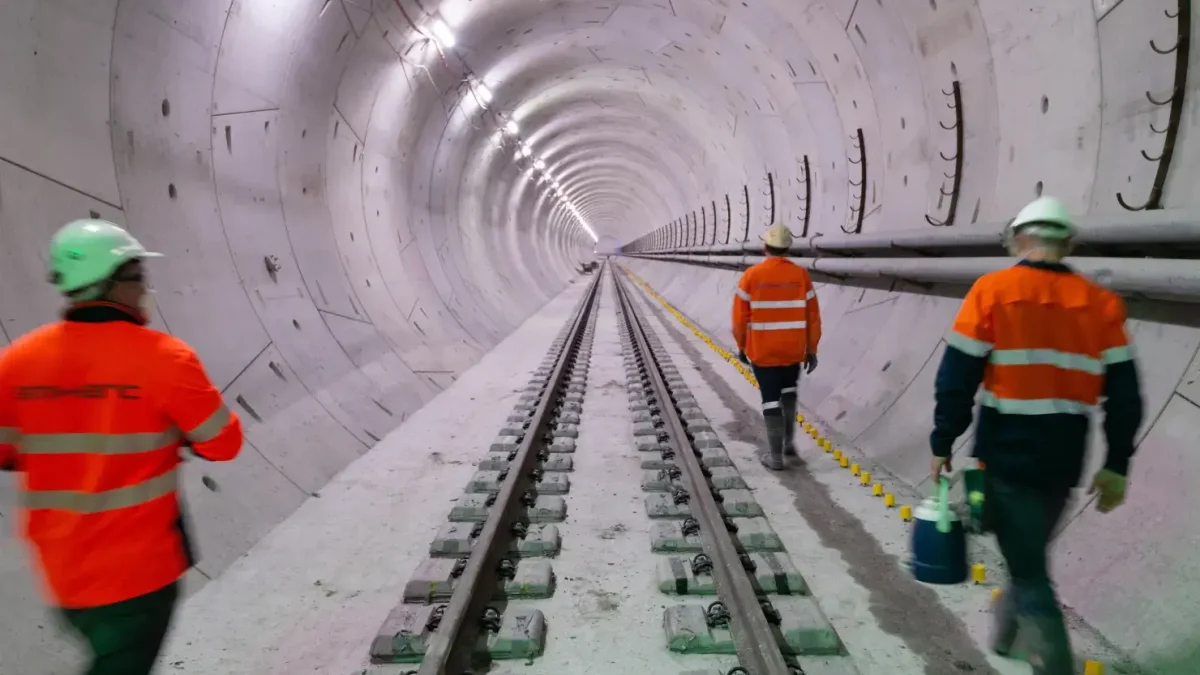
[777,326]
[94,410]
[1049,346]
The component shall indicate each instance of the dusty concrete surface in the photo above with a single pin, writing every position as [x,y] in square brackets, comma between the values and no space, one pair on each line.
[310,596]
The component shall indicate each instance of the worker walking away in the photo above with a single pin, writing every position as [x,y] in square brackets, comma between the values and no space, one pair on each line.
[777,325]
[94,410]
[1048,345]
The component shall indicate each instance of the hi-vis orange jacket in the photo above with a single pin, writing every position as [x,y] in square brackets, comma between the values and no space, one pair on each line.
[93,411]
[1047,345]
[776,318]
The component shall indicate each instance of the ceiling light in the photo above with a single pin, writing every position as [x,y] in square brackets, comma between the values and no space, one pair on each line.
[442,33]
[511,127]
[484,94]
[453,11]
[540,164]
[524,151]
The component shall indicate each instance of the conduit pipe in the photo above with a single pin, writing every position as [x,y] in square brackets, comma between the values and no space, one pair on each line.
[1157,278]
[1176,226]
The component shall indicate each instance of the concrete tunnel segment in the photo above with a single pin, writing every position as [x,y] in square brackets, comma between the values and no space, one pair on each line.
[348,231]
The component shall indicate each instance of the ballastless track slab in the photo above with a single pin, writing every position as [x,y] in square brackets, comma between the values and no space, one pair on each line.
[475,599]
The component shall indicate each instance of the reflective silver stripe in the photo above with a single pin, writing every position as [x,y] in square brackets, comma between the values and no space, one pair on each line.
[968,345]
[209,428]
[1108,356]
[788,390]
[776,304]
[98,502]
[811,294]
[1047,357]
[1040,406]
[9,435]
[777,325]
[771,405]
[97,444]
[741,294]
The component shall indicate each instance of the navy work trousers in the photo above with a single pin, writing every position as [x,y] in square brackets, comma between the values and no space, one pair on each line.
[775,382]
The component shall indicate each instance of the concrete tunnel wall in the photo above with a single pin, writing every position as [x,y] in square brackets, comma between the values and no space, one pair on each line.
[347,231]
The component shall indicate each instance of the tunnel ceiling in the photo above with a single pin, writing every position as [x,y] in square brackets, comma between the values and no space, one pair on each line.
[636,109]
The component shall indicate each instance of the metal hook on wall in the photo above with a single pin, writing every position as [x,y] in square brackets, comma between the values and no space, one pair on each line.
[746,203]
[955,178]
[704,224]
[858,212]
[693,231]
[728,218]
[1182,51]
[714,238]
[770,195]
[806,200]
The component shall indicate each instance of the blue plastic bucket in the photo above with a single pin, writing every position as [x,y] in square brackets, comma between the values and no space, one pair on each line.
[939,541]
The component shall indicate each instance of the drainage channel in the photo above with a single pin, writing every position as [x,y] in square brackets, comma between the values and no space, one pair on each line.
[710,534]
[473,601]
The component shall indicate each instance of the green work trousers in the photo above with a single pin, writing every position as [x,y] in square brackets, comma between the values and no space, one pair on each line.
[1023,519]
[125,637]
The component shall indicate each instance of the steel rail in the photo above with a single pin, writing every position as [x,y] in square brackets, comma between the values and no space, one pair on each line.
[452,647]
[753,637]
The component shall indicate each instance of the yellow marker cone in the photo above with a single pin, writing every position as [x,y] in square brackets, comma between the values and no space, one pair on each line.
[800,418]
[844,462]
[837,454]
[996,593]
[854,469]
[828,447]
[877,489]
[979,573]
[1093,668]
[906,513]
[807,427]
[889,500]
[865,478]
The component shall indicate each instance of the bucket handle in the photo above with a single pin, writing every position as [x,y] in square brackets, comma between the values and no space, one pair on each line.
[944,524]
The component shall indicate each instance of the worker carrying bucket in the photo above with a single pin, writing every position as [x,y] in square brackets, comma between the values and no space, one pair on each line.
[1048,345]
[94,410]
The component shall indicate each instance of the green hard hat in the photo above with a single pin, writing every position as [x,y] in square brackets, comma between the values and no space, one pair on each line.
[1049,216]
[85,252]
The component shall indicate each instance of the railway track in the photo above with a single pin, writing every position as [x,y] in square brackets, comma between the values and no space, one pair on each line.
[717,540]
[468,603]
[730,587]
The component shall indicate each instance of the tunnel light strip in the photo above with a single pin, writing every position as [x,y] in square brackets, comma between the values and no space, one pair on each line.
[442,33]
[453,11]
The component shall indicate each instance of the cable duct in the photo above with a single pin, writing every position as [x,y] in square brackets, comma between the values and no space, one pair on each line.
[1123,229]
[1156,278]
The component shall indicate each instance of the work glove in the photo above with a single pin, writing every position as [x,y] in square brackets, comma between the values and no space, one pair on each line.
[1111,488]
[742,357]
[811,363]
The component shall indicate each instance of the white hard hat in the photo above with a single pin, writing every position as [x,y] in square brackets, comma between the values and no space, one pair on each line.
[86,252]
[778,236]
[1048,215]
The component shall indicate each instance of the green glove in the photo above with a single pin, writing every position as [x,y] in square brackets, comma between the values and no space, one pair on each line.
[1111,488]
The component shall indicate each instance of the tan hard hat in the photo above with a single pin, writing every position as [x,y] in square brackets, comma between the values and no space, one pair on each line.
[778,236]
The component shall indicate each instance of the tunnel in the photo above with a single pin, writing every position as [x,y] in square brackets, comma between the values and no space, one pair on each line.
[376,215]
